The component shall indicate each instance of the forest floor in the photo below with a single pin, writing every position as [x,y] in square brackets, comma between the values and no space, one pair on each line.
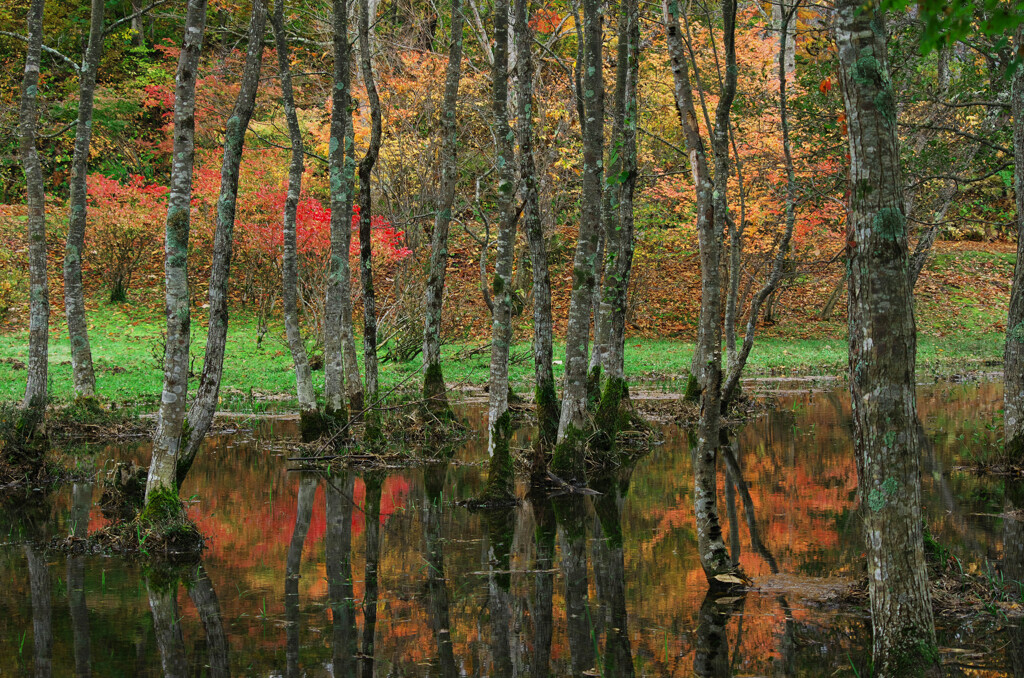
[961,309]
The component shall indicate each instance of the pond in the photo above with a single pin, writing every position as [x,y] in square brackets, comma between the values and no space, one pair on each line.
[386,574]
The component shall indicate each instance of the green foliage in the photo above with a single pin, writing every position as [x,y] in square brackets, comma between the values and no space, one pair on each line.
[945,23]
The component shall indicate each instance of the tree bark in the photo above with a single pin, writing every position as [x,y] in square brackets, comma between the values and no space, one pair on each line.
[434,390]
[39,286]
[74,297]
[200,414]
[545,395]
[574,424]
[171,415]
[340,368]
[882,352]
[1013,358]
[289,264]
[293,571]
[619,229]
[365,216]
[711,221]
[500,478]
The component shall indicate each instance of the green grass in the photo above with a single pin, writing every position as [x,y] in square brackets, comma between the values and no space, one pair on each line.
[128,351]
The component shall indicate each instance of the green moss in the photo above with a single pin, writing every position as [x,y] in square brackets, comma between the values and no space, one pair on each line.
[501,474]
[567,461]
[498,285]
[594,388]
[612,416]
[547,413]
[313,424]
[692,391]
[889,223]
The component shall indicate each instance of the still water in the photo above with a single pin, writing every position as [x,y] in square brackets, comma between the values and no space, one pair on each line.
[384,574]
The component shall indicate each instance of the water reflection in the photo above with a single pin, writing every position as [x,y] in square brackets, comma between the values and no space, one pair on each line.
[345,574]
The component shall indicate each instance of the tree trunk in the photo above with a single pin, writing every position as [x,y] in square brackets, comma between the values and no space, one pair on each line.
[434,391]
[365,215]
[74,297]
[171,415]
[200,414]
[81,502]
[438,606]
[500,479]
[39,286]
[574,424]
[289,264]
[738,359]
[619,230]
[293,571]
[337,370]
[786,29]
[711,222]
[1013,359]
[882,353]
[545,394]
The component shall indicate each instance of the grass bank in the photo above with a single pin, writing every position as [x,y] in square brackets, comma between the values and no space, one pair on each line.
[128,354]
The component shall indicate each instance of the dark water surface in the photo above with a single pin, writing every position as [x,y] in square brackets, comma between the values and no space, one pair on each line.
[597,585]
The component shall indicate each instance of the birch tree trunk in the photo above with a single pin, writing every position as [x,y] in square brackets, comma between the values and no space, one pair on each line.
[365,216]
[574,425]
[289,266]
[545,395]
[434,390]
[619,230]
[171,415]
[74,297]
[711,218]
[500,478]
[882,352]
[200,414]
[337,370]
[39,286]
[1013,359]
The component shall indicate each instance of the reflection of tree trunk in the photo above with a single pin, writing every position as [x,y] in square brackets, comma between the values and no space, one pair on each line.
[371,510]
[730,455]
[163,602]
[541,613]
[338,496]
[205,599]
[618,659]
[437,583]
[81,500]
[711,659]
[570,513]
[785,664]
[1013,565]
[293,570]
[42,612]
[499,583]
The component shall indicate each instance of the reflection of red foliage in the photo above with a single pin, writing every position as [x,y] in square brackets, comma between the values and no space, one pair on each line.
[392,496]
